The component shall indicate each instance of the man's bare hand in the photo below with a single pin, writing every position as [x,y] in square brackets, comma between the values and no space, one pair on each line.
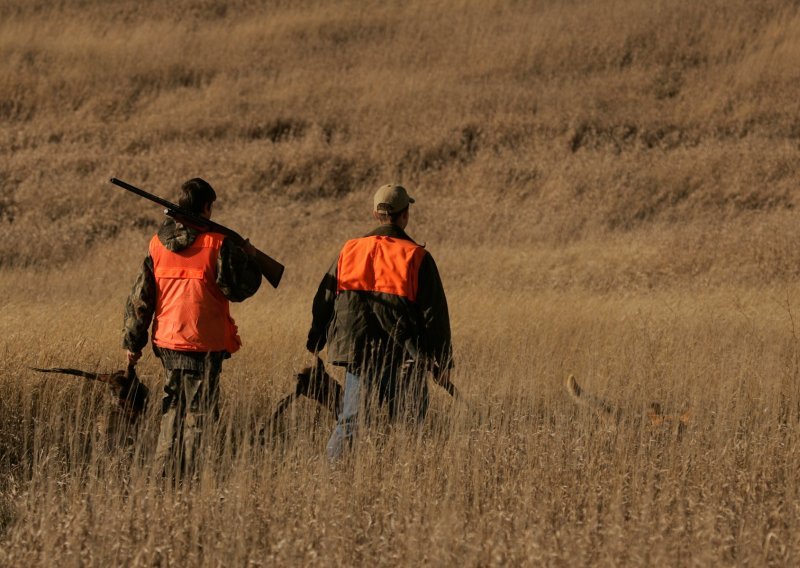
[132,357]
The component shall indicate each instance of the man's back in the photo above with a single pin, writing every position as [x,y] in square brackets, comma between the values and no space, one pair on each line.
[387,264]
[383,289]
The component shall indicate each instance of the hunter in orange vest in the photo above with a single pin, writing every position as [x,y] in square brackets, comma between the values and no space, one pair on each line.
[185,287]
[382,313]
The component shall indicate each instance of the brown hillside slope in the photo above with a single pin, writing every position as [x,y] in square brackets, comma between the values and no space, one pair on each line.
[558,123]
[608,188]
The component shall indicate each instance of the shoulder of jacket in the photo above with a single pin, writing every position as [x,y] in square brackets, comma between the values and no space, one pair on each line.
[154,244]
[216,237]
[209,239]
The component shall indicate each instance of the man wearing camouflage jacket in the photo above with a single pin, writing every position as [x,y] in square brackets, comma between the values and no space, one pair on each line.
[382,311]
[184,288]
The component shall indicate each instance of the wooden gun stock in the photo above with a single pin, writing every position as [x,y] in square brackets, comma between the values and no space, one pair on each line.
[270,268]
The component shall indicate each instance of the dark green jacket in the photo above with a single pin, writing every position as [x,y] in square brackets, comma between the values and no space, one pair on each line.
[238,278]
[360,327]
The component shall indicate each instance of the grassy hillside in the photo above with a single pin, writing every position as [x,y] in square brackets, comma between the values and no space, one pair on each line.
[609,189]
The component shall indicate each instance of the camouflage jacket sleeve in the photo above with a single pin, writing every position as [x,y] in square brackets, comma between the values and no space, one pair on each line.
[436,338]
[139,308]
[322,310]
[238,275]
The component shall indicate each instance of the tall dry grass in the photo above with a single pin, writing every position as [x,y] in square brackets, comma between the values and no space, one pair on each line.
[608,189]
[520,476]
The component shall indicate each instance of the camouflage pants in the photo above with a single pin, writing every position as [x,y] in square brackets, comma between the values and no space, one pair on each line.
[191,400]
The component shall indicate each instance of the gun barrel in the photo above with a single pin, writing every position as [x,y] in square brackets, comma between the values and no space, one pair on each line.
[270,268]
[146,195]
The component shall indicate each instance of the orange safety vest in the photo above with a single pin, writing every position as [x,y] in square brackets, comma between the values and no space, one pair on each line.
[380,264]
[191,312]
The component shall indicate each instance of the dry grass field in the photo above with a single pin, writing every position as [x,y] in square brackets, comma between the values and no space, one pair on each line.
[609,189]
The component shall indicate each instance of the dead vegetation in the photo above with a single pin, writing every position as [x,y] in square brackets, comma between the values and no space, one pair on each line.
[622,116]
[609,189]
[656,416]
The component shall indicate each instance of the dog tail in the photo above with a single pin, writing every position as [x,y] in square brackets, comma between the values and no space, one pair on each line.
[580,396]
[73,372]
[573,388]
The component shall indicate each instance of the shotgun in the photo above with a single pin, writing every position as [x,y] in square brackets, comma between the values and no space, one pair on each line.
[270,268]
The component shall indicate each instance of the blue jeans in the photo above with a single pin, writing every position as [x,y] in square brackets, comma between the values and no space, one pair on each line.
[403,390]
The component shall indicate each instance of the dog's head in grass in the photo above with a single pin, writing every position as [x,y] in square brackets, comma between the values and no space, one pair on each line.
[315,383]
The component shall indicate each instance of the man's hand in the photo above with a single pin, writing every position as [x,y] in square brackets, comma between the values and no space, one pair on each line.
[132,357]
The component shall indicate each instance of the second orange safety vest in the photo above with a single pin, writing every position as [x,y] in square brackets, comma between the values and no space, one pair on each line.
[380,264]
[191,312]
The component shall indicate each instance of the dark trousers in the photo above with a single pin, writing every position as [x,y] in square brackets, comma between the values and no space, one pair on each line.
[401,390]
[190,403]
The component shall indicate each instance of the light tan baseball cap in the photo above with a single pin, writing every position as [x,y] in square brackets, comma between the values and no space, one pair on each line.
[391,198]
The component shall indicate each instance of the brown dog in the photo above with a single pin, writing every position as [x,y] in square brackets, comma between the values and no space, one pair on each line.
[655,415]
[129,393]
[315,383]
